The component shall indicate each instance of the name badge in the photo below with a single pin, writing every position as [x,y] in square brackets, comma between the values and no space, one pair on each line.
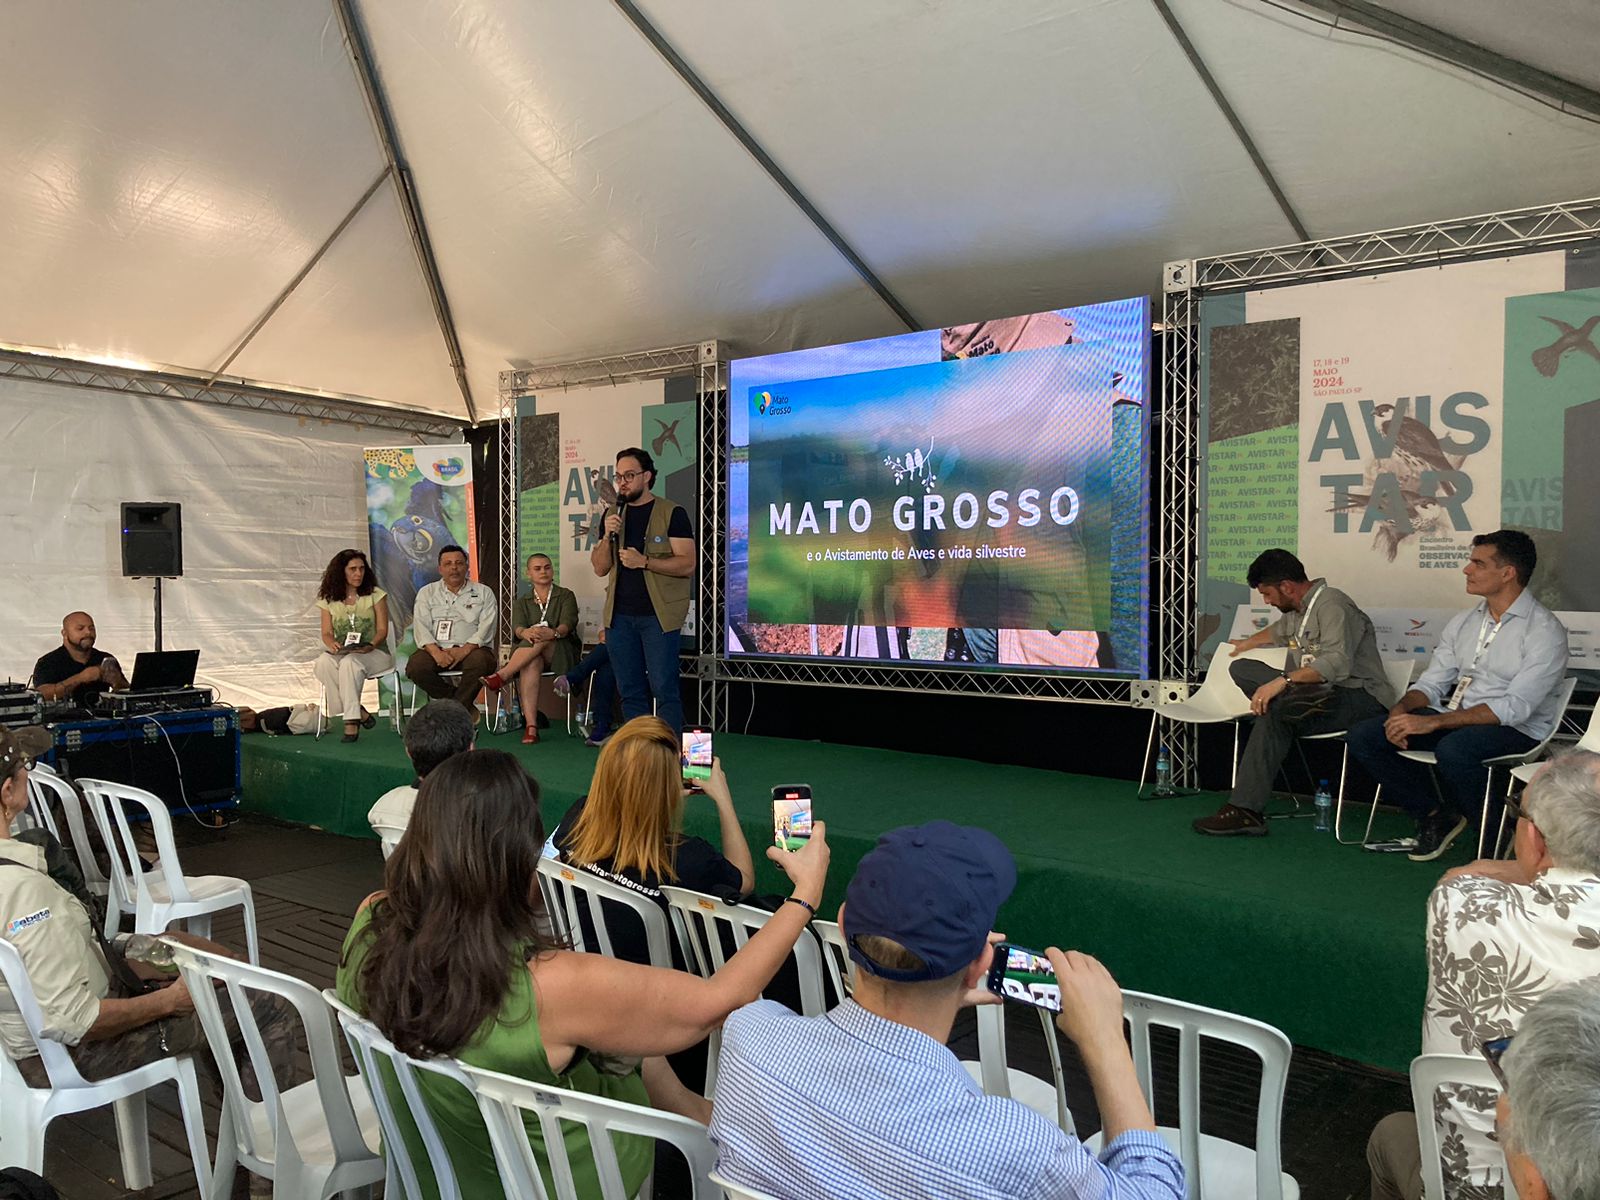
[353,638]
[1459,694]
[442,629]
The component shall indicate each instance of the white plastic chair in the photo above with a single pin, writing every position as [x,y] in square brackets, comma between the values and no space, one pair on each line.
[369,1047]
[37,815]
[836,961]
[566,888]
[392,674]
[1215,1168]
[158,897]
[505,1099]
[734,1191]
[994,1074]
[1428,1071]
[28,1111]
[701,922]
[48,783]
[1219,700]
[389,836]
[1399,671]
[1590,741]
[1430,759]
[315,1140]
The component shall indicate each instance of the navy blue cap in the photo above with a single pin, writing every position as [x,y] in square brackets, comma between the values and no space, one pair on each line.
[936,890]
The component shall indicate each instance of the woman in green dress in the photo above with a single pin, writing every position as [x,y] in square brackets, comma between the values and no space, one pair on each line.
[455,957]
[545,624]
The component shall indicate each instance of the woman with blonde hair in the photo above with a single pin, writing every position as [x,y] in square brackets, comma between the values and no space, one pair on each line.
[629,828]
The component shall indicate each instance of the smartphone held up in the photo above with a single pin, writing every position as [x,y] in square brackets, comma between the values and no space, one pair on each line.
[1018,973]
[696,757]
[791,815]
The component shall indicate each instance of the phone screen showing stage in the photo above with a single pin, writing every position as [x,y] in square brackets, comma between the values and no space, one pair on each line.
[1022,974]
[696,756]
[791,816]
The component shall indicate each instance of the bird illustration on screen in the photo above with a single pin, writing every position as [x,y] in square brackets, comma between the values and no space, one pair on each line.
[669,433]
[1579,339]
[1413,449]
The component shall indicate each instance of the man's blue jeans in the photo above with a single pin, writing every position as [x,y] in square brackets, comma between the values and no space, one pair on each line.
[1462,775]
[645,659]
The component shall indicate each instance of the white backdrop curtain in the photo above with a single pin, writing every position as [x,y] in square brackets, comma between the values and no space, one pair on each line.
[267,500]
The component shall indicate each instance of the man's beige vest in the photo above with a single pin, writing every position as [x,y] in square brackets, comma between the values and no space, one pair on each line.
[669,594]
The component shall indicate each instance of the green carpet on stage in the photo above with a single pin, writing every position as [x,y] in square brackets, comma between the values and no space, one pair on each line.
[1322,940]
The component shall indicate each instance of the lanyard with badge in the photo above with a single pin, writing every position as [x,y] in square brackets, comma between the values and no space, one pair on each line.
[1487,632]
[1297,643]
[352,636]
[543,608]
[445,626]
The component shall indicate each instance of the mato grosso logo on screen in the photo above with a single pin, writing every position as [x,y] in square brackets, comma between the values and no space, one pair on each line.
[769,405]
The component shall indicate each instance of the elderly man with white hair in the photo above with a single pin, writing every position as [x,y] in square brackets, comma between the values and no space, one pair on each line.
[1549,1117]
[1500,936]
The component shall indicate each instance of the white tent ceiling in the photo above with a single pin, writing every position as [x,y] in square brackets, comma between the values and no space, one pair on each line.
[174,165]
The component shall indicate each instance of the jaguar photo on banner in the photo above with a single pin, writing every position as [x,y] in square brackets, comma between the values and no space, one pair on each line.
[1374,425]
[419,499]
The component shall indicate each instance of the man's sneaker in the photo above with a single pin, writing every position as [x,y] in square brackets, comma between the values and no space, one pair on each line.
[1232,821]
[562,685]
[596,741]
[1435,832]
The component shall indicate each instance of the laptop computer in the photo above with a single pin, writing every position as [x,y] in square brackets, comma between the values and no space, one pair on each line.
[157,670]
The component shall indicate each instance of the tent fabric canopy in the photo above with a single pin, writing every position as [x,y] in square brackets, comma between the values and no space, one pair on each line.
[175,165]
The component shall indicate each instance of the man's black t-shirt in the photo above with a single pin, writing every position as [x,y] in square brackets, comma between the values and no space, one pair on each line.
[59,666]
[632,597]
[700,869]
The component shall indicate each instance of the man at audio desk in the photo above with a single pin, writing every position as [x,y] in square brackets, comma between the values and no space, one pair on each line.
[456,623]
[75,670]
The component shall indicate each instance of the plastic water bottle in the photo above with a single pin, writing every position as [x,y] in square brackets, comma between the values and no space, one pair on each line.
[1163,773]
[1324,806]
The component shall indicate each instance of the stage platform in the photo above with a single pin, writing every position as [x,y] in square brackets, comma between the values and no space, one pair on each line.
[1324,941]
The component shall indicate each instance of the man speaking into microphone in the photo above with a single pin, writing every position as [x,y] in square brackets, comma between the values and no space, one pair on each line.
[648,552]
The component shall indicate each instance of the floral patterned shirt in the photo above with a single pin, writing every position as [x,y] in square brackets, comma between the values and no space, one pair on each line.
[1495,948]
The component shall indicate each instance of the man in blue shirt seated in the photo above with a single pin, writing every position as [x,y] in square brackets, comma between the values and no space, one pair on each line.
[1489,690]
[867,1101]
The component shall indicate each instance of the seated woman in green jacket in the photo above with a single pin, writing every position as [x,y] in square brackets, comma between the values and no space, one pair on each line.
[455,957]
[545,624]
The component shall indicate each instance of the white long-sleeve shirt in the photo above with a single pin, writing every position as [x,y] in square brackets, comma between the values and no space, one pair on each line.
[472,613]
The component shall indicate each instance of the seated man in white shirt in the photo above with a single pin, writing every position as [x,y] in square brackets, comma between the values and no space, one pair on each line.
[1501,934]
[867,1100]
[456,625]
[443,729]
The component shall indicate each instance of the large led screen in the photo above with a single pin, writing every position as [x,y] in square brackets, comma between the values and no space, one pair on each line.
[975,496]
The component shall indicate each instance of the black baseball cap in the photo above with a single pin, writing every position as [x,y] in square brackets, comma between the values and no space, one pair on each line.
[936,889]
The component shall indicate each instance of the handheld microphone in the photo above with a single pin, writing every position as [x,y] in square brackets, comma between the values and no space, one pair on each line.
[615,536]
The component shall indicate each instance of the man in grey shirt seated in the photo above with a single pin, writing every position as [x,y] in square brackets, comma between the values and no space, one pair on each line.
[1332,679]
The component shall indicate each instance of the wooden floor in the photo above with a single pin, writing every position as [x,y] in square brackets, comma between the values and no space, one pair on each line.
[307,884]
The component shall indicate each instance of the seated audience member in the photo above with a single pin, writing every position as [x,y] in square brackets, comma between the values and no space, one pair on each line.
[462,903]
[440,731]
[92,994]
[1331,678]
[1489,690]
[355,636]
[867,1100]
[602,694]
[455,624]
[1549,1114]
[629,828]
[1500,935]
[75,670]
[545,624]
